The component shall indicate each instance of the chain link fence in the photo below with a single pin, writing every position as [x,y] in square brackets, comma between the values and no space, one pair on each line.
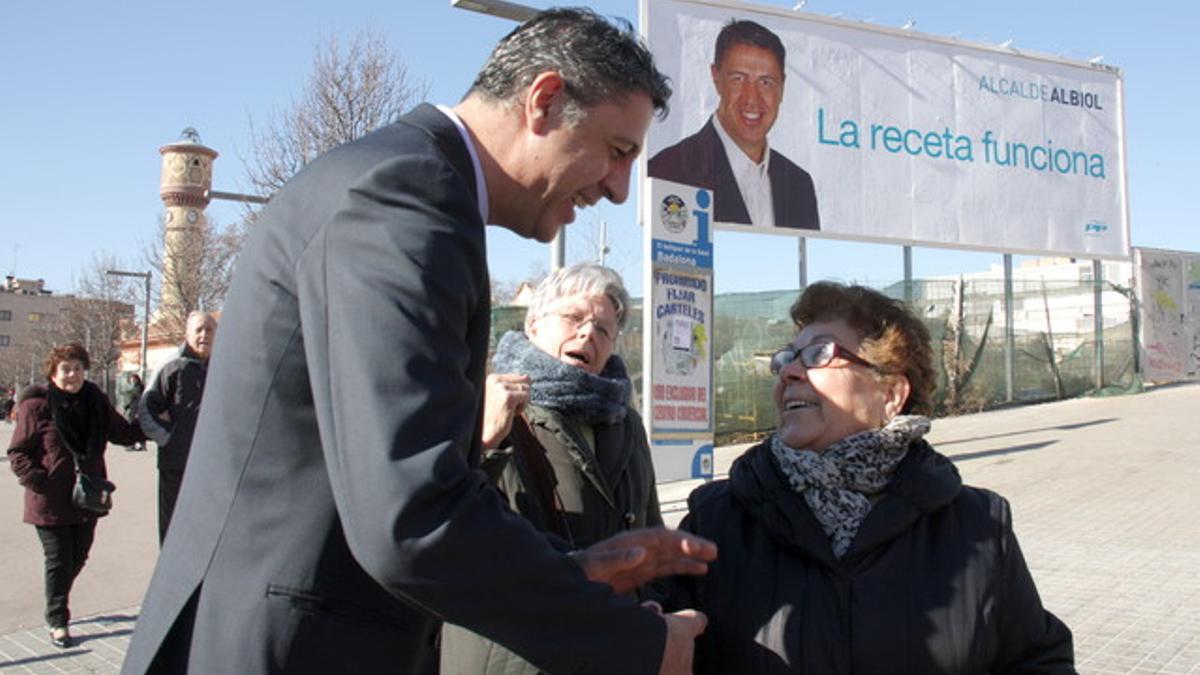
[1053,357]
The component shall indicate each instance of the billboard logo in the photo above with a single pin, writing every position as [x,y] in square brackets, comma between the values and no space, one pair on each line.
[1095,228]
[673,214]
[1040,91]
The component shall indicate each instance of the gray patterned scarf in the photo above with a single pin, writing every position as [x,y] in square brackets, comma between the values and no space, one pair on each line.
[838,482]
[574,392]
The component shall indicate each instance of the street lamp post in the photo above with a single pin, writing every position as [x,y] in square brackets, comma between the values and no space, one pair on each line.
[236,197]
[519,13]
[145,277]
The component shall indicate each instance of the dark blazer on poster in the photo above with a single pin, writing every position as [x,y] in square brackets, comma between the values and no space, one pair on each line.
[700,160]
[329,516]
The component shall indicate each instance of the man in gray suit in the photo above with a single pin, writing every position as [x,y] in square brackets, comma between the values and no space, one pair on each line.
[330,515]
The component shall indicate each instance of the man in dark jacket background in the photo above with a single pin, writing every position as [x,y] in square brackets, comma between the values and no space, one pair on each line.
[170,406]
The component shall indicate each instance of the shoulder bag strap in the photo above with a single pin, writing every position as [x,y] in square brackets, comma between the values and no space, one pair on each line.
[533,456]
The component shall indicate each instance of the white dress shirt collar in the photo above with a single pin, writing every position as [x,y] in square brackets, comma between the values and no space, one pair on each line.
[753,179]
[481,194]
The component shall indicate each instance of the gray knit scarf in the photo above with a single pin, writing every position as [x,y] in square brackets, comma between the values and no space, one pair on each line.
[573,392]
[838,482]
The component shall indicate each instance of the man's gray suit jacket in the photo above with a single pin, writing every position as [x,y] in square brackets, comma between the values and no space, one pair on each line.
[700,160]
[329,516]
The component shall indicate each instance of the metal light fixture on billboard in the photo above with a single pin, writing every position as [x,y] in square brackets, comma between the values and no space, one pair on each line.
[500,8]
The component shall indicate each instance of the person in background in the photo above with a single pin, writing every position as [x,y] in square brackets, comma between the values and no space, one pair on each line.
[8,405]
[129,396]
[63,424]
[848,544]
[170,407]
[560,438]
[332,515]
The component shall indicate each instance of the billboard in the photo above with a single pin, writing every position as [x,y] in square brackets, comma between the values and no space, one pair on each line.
[875,134]
[1168,284]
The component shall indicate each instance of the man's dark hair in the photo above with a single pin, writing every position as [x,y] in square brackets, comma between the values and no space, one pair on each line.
[600,61]
[742,32]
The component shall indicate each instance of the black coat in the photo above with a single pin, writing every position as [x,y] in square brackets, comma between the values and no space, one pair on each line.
[604,490]
[700,160]
[934,582]
[330,515]
[44,465]
[177,389]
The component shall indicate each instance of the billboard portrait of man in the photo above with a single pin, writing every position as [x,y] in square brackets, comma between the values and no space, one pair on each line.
[752,184]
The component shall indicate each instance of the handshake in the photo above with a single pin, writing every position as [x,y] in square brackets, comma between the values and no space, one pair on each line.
[631,559]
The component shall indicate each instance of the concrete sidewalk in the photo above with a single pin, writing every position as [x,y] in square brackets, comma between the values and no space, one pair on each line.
[1104,499]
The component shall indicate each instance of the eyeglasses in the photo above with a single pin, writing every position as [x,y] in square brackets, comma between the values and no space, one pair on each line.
[815,355]
[576,320]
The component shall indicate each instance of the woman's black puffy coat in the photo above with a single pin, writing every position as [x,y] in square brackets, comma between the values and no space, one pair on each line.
[934,581]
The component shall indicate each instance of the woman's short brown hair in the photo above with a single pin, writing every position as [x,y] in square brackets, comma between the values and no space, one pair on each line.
[892,337]
[65,352]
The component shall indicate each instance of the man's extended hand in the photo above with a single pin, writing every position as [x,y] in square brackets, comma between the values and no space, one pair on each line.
[631,559]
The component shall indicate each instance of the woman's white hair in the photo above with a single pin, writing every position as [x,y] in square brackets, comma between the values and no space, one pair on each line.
[586,278]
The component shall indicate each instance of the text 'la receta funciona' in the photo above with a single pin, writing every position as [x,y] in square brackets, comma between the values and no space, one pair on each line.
[949,145]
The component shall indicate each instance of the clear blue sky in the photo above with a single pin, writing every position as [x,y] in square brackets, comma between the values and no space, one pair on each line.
[89,91]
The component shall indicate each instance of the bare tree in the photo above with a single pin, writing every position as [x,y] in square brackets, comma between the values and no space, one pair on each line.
[100,314]
[21,364]
[960,367]
[193,272]
[351,91]
[503,291]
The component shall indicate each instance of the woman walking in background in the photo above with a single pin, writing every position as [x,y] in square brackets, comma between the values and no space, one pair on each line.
[64,423]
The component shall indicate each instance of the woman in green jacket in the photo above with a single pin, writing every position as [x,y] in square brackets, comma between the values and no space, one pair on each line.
[561,440]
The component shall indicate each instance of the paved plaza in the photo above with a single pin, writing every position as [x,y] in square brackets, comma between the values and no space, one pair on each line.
[1104,495]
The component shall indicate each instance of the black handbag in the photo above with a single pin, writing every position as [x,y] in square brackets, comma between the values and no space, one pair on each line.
[92,493]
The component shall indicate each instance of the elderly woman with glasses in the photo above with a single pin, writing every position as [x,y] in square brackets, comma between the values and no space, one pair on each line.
[847,543]
[561,439]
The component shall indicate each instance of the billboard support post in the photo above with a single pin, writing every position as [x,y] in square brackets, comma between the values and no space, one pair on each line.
[908,277]
[1009,340]
[1098,356]
[802,262]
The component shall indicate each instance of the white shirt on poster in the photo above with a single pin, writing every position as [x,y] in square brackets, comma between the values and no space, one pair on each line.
[753,179]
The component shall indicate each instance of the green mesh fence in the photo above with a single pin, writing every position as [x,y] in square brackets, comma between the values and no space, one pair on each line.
[1053,355]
